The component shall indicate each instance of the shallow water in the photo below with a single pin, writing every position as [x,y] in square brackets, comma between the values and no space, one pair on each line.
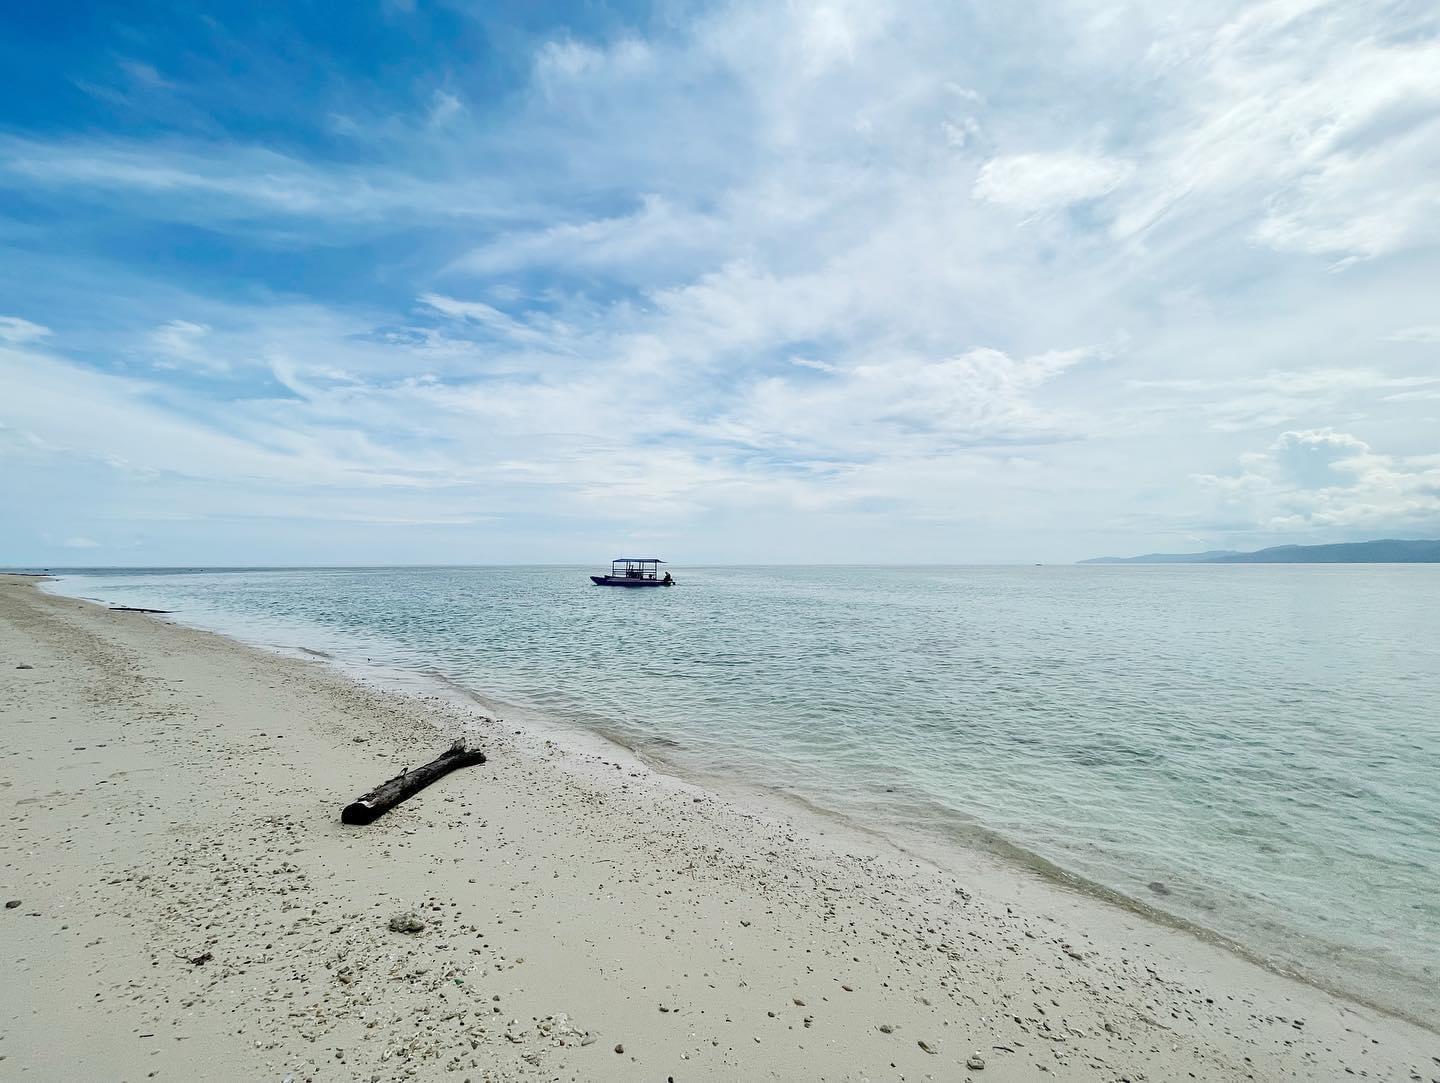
[1260,743]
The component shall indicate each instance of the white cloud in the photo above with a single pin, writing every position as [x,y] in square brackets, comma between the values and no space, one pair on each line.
[1270,399]
[539,330]
[1318,458]
[130,426]
[181,344]
[235,183]
[1427,333]
[981,398]
[1315,381]
[831,32]
[1320,478]
[658,234]
[766,260]
[563,62]
[15,330]
[1048,181]
[1319,121]
[145,75]
[444,108]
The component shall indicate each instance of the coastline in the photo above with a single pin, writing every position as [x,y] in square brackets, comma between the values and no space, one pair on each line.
[933,833]
[678,923]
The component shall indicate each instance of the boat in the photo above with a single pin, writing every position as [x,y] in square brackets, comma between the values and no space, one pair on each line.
[634,572]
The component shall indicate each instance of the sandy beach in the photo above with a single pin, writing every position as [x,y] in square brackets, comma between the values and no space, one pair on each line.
[182,902]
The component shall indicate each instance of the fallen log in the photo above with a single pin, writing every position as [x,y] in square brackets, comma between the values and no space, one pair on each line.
[136,609]
[370,807]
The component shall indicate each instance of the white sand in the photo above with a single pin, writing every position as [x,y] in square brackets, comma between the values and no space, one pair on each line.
[170,793]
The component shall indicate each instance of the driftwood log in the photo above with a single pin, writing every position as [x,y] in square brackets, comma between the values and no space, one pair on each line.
[384,797]
[134,609]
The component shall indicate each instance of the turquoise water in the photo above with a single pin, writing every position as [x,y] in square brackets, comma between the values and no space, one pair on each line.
[1263,741]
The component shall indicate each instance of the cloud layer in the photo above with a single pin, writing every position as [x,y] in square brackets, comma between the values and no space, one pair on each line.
[815,281]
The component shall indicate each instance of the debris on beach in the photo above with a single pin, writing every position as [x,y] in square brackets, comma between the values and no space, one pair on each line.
[561,1031]
[407,923]
[13,903]
[976,1063]
[369,807]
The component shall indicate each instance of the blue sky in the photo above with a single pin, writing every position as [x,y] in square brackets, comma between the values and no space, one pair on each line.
[810,281]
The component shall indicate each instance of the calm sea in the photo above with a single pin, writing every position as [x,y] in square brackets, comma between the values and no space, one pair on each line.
[1262,742]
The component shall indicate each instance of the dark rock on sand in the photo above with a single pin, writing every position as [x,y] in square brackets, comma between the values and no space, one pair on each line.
[406,923]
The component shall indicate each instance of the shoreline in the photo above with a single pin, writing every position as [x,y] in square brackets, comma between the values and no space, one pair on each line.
[1008,861]
[1027,975]
[952,851]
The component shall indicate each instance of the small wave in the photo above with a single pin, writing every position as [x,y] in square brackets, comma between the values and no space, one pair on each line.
[1114,756]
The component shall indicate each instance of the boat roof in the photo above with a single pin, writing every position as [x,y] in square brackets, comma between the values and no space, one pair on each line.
[638,560]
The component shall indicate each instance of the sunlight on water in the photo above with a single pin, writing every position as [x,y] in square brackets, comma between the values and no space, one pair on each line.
[1255,749]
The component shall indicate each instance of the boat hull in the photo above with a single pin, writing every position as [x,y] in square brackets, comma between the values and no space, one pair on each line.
[621,581]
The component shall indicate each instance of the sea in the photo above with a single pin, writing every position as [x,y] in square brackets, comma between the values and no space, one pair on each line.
[1251,750]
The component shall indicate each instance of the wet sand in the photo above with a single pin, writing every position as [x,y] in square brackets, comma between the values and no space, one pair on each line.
[190,906]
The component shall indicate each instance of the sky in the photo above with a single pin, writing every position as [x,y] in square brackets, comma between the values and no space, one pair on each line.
[435,281]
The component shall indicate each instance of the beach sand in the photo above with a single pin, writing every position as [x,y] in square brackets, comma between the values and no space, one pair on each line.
[190,906]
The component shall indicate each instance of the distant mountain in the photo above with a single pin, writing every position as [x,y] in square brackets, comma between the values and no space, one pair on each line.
[1386,551]
[1168,558]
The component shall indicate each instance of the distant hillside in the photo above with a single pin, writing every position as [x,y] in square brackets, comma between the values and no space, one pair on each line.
[1168,558]
[1386,551]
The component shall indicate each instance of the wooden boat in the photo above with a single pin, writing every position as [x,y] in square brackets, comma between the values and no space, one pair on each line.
[634,572]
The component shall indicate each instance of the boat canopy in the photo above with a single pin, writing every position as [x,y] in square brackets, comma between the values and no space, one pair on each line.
[636,567]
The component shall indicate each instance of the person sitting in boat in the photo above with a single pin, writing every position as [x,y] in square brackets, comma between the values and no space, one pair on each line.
[667,580]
